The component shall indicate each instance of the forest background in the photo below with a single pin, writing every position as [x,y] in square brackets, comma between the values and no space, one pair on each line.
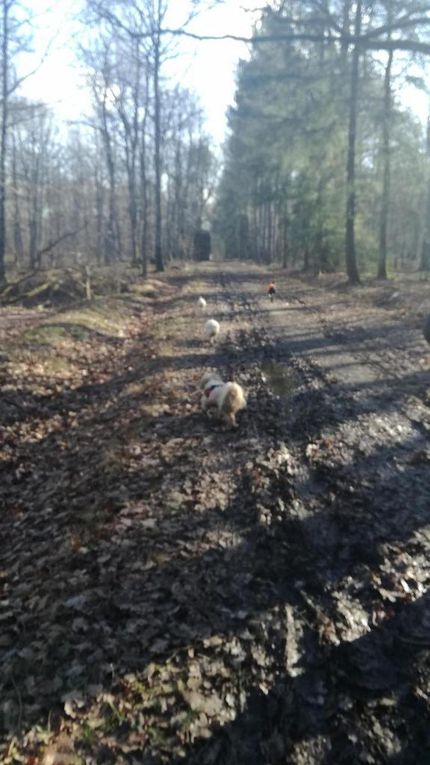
[325,164]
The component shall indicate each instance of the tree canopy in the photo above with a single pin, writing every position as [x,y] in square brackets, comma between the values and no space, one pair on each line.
[313,122]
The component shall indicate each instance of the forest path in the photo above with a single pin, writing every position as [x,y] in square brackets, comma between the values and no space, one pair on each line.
[172,589]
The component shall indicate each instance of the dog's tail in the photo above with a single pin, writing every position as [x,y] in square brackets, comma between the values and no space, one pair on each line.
[234,398]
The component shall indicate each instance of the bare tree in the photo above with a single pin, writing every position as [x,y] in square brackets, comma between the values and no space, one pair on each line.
[4,115]
[425,246]
[386,171]
[132,77]
[351,258]
[147,21]
[14,38]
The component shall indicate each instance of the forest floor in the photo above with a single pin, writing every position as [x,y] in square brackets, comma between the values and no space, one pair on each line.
[173,591]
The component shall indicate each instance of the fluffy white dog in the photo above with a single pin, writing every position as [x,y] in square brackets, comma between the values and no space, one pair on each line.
[212,329]
[202,303]
[227,398]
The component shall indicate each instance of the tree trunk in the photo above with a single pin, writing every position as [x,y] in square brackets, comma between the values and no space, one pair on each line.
[285,244]
[112,242]
[131,138]
[3,137]
[254,224]
[159,265]
[351,258]
[17,230]
[269,232]
[425,247]
[88,286]
[144,196]
[386,178]
[99,195]
[345,32]
[132,209]
[35,213]
[306,260]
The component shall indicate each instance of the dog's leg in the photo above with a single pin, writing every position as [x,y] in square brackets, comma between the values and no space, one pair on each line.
[208,407]
[230,419]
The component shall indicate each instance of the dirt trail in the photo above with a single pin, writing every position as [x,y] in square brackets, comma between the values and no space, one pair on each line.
[174,590]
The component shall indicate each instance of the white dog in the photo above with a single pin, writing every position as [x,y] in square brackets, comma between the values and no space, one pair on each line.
[228,398]
[202,303]
[212,329]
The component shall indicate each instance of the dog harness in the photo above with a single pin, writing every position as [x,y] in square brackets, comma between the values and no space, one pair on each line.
[208,391]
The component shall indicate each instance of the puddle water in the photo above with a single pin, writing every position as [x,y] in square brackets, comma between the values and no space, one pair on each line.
[282,380]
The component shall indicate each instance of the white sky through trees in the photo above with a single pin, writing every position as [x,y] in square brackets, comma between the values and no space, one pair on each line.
[205,67]
[208,68]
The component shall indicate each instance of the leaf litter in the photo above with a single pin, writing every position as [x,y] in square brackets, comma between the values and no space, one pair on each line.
[170,590]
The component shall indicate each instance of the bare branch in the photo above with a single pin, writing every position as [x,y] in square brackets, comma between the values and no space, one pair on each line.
[403,23]
[363,41]
[59,239]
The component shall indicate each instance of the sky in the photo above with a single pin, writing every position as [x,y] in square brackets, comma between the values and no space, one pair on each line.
[207,67]
[57,80]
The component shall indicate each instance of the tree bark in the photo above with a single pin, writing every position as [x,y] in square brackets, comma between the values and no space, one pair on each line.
[131,140]
[285,247]
[345,32]
[17,229]
[159,265]
[3,136]
[144,190]
[351,258]
[386,178]
[425,247]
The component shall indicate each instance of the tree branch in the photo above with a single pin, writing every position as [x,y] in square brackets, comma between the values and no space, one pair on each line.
[363,41]
[61,238]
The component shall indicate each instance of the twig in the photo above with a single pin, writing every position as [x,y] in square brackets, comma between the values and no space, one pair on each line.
[18,693]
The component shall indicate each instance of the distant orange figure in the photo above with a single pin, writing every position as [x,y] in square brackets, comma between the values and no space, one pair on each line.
[271,291]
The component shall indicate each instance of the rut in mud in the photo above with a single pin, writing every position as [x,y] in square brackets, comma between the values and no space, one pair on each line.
[175,590]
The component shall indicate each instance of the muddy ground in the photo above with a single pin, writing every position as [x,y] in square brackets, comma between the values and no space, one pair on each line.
[172,591]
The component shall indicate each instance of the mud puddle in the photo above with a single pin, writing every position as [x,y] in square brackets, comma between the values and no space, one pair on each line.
[282,380]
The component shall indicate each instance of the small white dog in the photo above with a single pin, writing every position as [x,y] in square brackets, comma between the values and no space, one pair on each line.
[202,303]
[228,398]
[212,329]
